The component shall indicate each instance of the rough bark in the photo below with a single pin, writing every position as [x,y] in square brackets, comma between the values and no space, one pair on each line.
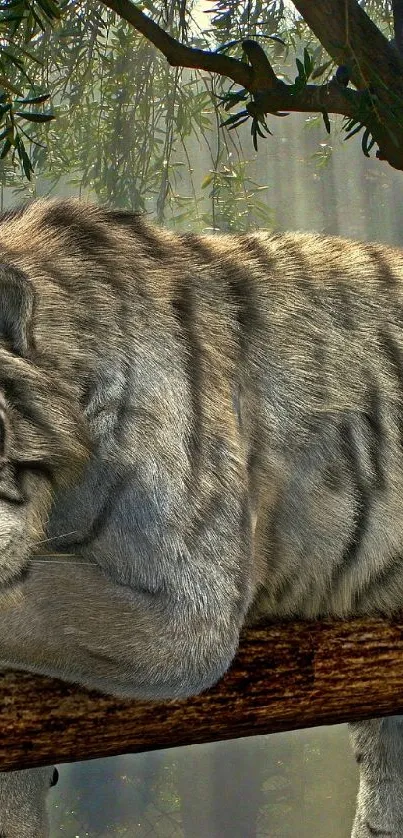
[286,676]
[352,39]
[397,6]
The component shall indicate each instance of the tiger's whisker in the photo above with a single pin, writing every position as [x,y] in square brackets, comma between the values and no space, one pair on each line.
[53,561]
[54,537]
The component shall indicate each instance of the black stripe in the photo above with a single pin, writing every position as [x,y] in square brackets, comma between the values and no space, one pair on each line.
[239,284]
[243,292]
[394,355]
[362,497]
[379,582]
[93,239]
[363,504]
[17,396]
[264,257]
[124,217]
[342,305]
[373,418]
[100,521]
[381,267]
[313,293]
[10,215]
[154,246]
[54,780]
[136,225]
[90,238]
[184,308]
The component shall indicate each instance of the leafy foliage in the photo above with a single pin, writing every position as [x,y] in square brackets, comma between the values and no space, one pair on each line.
[88,103]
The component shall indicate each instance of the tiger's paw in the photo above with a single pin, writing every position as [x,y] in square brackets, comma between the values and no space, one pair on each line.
[383,826]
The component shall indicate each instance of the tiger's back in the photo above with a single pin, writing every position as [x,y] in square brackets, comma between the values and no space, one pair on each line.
[266,368]
[206,431]
[319,401]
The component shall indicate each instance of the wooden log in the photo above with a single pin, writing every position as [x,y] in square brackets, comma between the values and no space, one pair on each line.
[286,676]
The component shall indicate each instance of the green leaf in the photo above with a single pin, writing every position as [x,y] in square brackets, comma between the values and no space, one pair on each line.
[9,87]
[17,63]
[5,149]
[33,100]
[259,131]
[234,118]
[321,69]
[307,63]
[354,131]
[367,142]
[25,161]
[7,131]
[11,19]
[237,124]
[5,109]
[207,180]
[326,121]
[31,116]
[37,19]
[4,7]
[301,68]
[50,9]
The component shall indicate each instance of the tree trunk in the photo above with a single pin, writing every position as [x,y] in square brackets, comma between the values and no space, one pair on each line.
[352,39]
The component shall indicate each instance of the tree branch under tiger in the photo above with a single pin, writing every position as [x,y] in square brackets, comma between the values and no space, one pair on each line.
[286,676]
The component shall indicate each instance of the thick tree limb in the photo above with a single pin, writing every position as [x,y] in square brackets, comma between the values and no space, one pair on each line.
[256,77]
[350,38]
[286,676]
[178,54]
[397,6]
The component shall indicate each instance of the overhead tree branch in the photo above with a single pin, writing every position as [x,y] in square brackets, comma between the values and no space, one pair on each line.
[256,77]
[374,64]
[352,39]
[178,54]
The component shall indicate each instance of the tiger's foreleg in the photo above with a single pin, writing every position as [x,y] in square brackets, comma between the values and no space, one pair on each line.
[378,749]
[69,620]
[23,802]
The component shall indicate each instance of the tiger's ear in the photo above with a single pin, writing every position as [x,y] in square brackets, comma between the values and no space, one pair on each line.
[16,307]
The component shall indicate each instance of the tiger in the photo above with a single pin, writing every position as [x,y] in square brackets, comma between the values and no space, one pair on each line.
[197,433]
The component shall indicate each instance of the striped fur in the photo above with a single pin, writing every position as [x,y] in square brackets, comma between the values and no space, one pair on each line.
[212,426]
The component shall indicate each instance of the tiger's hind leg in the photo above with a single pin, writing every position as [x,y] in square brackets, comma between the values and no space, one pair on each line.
[23,796]
[378,749]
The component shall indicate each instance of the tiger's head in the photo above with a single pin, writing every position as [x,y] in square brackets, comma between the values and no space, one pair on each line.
[43,435]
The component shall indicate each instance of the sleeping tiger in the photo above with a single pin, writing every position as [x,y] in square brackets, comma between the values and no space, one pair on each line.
[213,428]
